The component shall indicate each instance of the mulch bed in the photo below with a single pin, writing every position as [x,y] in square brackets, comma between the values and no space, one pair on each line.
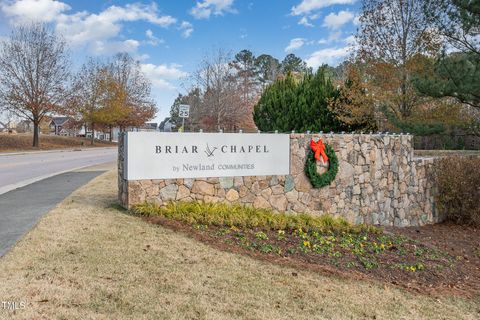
[435,260]
[461,242]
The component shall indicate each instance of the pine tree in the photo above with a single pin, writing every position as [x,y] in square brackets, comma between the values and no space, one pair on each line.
[314,113]
[457,76]
[288,105]
[276,105]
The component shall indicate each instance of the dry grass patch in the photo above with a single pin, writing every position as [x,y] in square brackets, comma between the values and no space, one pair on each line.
[88,260]
[23,142]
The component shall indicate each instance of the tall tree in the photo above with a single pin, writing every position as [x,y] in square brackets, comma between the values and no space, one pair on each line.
[391,34]
[34,70]
[276,107]
[293,64]
[458,21]
[289,104]
[268,69]
[136,89]
[244,65]
[88,93]
[112,109]
[455,75]
[221,94]
[115,93]
[354,106]
[313,113]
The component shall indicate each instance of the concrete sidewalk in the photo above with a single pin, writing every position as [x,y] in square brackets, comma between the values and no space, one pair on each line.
[21,209]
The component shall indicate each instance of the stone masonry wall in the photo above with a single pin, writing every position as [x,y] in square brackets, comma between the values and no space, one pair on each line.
[378,182]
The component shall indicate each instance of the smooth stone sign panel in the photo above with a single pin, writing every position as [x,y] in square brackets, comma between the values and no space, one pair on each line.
[164,155]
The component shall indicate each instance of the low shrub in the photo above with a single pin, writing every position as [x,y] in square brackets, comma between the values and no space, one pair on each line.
[458,193]
[221,214]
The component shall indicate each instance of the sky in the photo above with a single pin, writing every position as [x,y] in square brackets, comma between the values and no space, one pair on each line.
[170,38]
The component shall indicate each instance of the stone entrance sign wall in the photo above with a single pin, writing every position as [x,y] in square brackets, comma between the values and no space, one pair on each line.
[378,182]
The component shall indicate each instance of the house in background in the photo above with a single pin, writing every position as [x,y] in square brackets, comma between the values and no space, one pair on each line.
[148,126]
[24,126]
[65,126]
[7,127]
[167,125]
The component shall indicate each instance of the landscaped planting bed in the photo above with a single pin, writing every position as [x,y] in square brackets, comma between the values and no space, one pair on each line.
[321,243]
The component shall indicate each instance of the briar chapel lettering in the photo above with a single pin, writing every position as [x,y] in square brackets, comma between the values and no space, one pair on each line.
[153,155]
[175,149]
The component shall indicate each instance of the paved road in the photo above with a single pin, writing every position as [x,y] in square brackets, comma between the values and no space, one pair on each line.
[18,170]
[22,208]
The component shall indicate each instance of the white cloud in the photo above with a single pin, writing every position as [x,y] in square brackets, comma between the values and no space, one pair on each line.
[205,8]
[334,36]
[98,32]
[152,40]
[335,21]
[295,44]
[304,22]
[356,20]
[33,10]
[307,6]
[160,75]
[82,28]
[187,29]
[351,40]
[100,47]
[330,56]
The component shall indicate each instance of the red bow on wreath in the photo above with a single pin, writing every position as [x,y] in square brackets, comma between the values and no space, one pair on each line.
[319,149]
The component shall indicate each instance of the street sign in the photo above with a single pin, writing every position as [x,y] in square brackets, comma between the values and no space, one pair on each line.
[183,110]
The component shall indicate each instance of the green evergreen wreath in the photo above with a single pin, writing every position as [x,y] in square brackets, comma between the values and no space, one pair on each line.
[321,180]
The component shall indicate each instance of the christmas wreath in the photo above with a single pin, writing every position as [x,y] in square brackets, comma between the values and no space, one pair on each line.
[318,151]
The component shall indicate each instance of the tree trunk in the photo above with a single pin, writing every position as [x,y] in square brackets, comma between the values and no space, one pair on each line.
[92,141]
[36,142]
[111,133]
[404,107]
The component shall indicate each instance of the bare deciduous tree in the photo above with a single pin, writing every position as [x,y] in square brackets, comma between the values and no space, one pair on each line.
[392,33]
[222,104]
[34,70]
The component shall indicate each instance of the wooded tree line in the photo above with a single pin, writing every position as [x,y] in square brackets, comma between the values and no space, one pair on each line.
[416,68]
[36,80]
[225,88]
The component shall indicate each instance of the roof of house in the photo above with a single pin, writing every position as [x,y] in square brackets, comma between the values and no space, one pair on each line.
[150,125]
[162,124]
[58,121]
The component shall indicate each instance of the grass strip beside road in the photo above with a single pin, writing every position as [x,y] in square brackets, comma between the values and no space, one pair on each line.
[23,143]
[88,260]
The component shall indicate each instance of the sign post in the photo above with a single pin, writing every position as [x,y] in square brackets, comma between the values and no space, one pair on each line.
[183,112]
